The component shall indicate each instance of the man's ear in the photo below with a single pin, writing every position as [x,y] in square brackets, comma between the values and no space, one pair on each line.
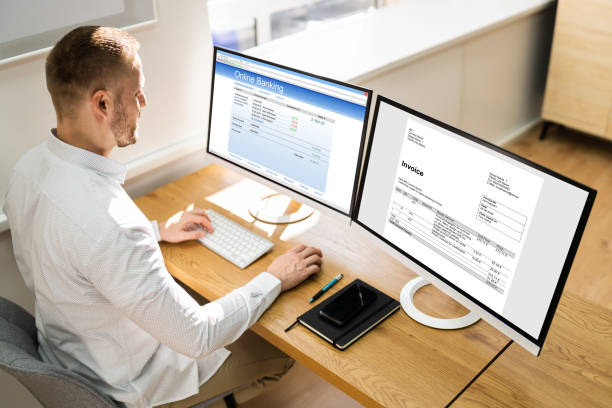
[101,104]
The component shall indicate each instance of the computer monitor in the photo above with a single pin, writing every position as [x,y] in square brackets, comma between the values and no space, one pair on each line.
[493,230]
[300,133]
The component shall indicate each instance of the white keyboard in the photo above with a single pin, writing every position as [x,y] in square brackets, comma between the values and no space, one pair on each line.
[234,242]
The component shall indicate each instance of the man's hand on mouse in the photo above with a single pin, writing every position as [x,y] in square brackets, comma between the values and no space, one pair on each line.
[186,225]
[295,265]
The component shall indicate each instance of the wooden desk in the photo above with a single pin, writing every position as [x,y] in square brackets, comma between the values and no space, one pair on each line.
[399,364]
[573,370]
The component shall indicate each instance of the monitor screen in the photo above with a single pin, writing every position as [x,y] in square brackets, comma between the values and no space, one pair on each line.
[497,229]
[299,130]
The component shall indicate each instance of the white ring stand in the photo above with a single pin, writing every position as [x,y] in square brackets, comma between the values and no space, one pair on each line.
[406,299]
[266,211]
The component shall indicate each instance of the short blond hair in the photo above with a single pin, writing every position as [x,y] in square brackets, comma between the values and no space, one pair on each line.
[87,59]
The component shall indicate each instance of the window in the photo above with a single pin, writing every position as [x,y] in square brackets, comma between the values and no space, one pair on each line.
[242,24]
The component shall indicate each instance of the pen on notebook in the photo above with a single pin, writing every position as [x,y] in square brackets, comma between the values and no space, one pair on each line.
[322,291]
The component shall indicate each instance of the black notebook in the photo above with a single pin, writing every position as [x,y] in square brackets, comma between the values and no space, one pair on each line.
[343,336]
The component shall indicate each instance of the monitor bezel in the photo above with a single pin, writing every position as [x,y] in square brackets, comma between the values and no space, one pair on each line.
[295,194]
[457,292]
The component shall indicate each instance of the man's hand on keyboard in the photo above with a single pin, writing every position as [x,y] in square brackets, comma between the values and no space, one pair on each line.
[186,225]
[295,265]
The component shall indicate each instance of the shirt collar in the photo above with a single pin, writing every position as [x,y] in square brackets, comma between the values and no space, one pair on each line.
[87,159]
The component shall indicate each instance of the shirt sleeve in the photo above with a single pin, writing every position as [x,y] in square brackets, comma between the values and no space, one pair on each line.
[155,227]
[128,269]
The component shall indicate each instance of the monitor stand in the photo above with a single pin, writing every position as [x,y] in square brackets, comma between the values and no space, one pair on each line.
[270,209]
[407,301]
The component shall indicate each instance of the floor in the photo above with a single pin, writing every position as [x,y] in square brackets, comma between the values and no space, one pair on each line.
[586,159]
[583,158]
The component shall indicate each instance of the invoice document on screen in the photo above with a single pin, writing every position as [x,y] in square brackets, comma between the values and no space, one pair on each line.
[460,211]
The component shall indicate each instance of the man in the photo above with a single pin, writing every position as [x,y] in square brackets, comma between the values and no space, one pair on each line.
[106,307]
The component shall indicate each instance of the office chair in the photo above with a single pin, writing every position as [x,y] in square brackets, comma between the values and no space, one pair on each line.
[53,386]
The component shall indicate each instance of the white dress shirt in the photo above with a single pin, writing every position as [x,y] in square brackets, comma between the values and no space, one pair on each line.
[106,307]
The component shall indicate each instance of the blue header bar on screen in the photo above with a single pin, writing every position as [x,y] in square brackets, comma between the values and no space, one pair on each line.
[285,89]
[291,72]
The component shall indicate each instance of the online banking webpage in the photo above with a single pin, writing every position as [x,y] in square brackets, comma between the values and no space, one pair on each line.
[297,130]
[496,228]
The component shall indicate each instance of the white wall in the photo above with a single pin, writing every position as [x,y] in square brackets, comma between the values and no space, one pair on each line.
[176,54]
[490,85]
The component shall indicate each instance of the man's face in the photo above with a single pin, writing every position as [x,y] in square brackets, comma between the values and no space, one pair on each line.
[127,107]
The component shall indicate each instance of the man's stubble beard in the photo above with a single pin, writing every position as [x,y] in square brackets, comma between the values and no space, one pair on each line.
[124,133]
